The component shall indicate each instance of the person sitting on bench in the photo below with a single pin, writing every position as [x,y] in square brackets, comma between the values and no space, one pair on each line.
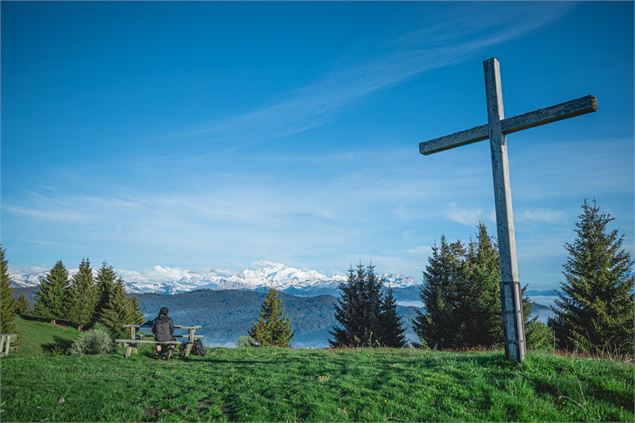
[163,330]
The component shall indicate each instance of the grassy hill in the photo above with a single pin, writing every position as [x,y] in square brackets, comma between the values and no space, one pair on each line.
[307,385]
[38,338]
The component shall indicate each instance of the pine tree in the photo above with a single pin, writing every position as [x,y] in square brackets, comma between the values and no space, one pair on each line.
[347,312]
[439,325]
[82,296]
[272,328]
[52,295]
[371,308]
[392,332]
[7,304]
[482,302]
[22,305]
[116,313]
[105,283]
[135,315]
[595,311]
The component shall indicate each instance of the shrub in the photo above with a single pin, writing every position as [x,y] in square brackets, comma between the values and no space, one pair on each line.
[539,336]
[95,341]
[246,342]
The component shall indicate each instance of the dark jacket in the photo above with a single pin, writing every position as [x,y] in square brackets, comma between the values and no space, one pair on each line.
[163,328]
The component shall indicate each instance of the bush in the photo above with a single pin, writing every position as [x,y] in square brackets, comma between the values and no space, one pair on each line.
[95,341]
[540,337]
[246,341]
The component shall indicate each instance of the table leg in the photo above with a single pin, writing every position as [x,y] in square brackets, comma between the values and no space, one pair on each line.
[190,345]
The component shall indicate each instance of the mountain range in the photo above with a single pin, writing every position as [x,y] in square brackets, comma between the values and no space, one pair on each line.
[265,274]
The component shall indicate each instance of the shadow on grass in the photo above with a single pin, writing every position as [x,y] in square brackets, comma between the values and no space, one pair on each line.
[59,346]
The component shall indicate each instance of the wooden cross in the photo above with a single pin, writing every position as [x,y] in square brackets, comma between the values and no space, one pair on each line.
[496,129]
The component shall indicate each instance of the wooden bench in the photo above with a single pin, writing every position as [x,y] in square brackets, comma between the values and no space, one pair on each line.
[5,343]
[131,344]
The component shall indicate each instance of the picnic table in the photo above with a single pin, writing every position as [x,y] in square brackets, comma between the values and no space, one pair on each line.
[137,338]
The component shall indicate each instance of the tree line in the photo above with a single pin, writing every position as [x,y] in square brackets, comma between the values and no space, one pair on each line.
[82,300]
[594,312]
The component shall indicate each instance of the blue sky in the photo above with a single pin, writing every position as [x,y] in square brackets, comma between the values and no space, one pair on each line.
[211,135]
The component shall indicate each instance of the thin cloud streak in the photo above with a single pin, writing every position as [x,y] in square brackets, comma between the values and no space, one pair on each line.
[316,104]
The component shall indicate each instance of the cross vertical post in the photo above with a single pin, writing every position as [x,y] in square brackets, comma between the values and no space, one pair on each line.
[511,300]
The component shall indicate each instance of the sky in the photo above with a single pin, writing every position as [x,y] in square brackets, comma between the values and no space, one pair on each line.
[212,135]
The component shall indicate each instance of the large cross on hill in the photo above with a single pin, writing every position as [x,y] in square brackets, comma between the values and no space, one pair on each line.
[496,129]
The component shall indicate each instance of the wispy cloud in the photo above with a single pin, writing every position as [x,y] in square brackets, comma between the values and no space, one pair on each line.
[450,41]
[465,216]
[541,216]
[59,215]
[422,249]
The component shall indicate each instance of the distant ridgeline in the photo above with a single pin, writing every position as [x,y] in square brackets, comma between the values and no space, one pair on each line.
[228,314]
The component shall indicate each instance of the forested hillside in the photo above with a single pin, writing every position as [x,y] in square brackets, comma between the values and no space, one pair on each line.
[228,314]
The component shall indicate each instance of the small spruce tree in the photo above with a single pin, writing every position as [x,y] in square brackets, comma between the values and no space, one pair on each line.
[392,332]
[22,305]
[105,283]
[116,313]
[483,317]
[7,303]
[371,308]
[272,328]
[52,295]
[82,296]
[439,325]
[135,314]
[595,311]
[347,312]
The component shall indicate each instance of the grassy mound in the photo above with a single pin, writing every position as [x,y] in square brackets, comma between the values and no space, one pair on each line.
[37,338]
[308,385]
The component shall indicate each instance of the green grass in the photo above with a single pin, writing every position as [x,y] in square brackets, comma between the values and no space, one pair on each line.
[37,338]
[281,385]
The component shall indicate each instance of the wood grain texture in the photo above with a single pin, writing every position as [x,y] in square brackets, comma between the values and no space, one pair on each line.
[566,110]
[511,303]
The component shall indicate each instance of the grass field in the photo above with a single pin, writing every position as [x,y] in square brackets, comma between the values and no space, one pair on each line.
[304,385]
[38,338]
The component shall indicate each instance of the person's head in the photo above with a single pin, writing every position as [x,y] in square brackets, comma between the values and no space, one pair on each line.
[163,311]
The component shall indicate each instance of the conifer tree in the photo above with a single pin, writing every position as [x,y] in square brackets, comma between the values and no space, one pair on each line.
[7,303]
[105,283]
[272,328]
[371,308]
[116,313]
[393,333]
[22,305]
[52,294]
[82,296]
[135,315]
[437,327]
[482,302]
[348,311]
[595,310]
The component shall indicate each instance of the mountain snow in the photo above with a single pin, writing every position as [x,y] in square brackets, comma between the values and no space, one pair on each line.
[173,280]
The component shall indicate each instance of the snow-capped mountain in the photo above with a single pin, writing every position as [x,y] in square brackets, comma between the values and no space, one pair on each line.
[172,280]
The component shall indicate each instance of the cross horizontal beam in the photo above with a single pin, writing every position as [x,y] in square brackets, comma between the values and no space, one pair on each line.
[569,109]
